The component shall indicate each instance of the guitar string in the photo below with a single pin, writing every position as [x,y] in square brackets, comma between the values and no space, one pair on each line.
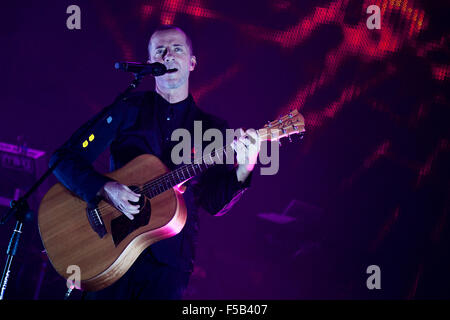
[150,185]
[157,182]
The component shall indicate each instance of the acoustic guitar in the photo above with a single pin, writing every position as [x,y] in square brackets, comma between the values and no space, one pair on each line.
[101,240]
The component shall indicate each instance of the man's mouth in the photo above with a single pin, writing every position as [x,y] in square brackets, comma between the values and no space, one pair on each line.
[171,68]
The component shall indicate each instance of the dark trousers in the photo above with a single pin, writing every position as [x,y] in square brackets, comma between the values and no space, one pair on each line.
[147,279]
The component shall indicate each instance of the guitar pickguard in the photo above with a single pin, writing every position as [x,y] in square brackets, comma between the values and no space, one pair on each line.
[122,226]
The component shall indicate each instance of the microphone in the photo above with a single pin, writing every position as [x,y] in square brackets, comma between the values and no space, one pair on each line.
[155,69]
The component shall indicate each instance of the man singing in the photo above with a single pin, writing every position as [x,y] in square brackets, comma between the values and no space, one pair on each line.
[143,124]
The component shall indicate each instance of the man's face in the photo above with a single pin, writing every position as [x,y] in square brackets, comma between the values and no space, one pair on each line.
[169,47]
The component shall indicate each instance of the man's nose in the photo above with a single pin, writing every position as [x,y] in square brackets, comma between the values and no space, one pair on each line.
[168,57]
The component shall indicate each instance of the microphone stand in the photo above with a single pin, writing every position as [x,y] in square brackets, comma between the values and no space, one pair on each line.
[20,208]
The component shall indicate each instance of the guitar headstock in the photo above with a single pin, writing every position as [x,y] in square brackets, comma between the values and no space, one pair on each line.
[287,125]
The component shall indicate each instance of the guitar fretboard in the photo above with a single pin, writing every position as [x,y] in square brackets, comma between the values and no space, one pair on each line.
[187,171]
[183,173]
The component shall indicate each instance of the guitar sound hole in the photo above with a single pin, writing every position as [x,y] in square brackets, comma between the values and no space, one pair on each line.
[122,226]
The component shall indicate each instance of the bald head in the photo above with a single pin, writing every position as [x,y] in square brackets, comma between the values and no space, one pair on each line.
[165,29]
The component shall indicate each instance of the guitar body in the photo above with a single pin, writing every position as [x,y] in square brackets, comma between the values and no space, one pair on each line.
[69,238]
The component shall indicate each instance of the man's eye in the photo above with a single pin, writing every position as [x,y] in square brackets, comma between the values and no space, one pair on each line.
[177,49]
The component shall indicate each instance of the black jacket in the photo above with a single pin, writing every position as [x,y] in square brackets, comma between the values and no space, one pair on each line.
[136,126]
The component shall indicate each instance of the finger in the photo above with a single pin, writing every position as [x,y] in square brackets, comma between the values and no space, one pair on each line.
[121,208]
[242,151]
[253,136]
[247,142]
[252,133]
[131,191]
[133,197]
[130,212]
[124,205]
[241,132]
[128,215]
[251,145]
[126,198]
[237,145]
[241,145]
[127,188]
[131,208]
[234,145]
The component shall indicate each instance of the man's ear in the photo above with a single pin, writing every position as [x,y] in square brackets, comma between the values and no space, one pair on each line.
[193,63]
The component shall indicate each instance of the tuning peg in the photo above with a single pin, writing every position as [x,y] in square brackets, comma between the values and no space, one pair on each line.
[279,142]
[290,140]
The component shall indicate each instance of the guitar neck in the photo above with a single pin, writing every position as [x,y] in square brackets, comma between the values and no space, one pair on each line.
[183,173]
[293,123]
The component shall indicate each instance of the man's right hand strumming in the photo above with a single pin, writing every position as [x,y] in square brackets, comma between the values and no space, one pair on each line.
[119,196]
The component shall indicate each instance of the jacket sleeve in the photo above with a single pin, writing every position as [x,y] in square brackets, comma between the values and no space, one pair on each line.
[217,189]
[74,168]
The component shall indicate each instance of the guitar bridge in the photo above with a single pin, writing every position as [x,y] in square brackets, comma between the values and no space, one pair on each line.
[96,221]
